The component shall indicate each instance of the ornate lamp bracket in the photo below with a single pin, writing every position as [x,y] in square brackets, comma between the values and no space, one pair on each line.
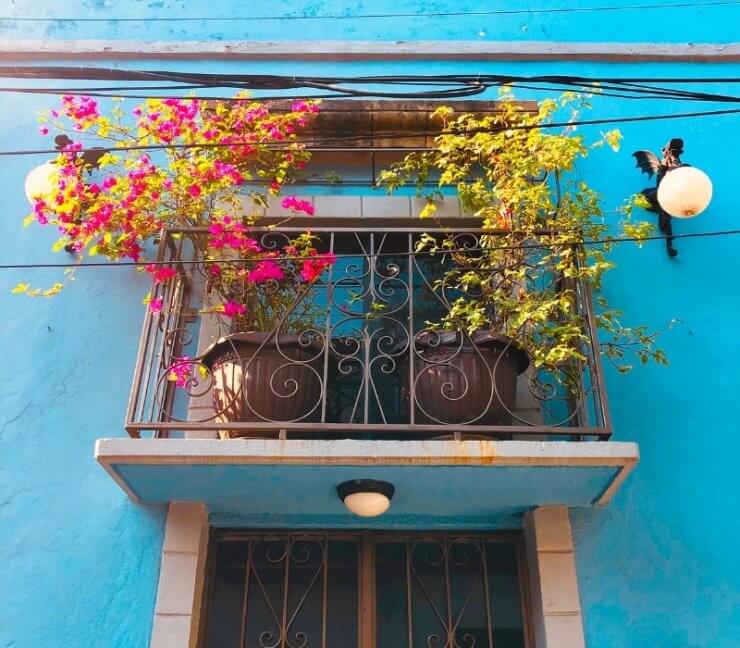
[649,163]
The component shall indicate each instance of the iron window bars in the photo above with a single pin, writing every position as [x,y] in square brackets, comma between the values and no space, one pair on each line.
[362,357]
[317,590]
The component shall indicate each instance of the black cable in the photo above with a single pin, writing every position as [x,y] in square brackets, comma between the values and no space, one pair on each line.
[336,138]
[526,246]
[286,82]
[445,14]
[345,87]
[614,91]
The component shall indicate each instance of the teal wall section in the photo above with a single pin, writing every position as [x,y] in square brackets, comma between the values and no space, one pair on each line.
[658,568]
[230,20]
[79,561]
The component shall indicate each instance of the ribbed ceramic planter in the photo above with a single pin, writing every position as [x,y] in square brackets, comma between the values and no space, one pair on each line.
[466,380]
[258,378]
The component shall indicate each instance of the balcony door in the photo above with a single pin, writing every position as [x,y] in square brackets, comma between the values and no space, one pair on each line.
[347,590]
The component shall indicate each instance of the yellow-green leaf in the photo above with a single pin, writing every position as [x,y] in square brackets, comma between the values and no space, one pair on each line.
[428,210]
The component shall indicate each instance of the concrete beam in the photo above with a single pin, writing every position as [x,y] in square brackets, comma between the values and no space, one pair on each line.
[356,50]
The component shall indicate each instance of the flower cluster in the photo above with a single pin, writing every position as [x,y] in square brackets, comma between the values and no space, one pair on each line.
[254,282]
[117,205]
[296,204]
[209,154]
[314,266]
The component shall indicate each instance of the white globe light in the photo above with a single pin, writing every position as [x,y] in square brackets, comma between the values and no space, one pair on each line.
[41,181]
[685,192]
[367,504]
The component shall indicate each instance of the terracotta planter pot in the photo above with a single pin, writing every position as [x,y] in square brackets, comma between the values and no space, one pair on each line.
[258,378]
[466,380]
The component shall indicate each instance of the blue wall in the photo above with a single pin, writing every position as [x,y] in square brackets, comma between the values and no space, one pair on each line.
[230,20]
[658,568]
[80,563]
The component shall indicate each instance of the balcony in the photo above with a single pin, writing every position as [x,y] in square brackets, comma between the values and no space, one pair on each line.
[349,396]
[367,365]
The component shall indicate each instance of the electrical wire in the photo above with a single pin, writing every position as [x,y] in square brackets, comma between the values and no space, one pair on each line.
[434,86]
[526,246]
[437,14]
[615,91]
[335,138]
[283,82]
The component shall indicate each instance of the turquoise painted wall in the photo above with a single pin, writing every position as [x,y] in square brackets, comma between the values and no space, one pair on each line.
[230,20]
[80,563]
[658,568]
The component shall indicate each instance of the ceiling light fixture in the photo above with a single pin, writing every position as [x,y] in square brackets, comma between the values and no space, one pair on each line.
[366,497]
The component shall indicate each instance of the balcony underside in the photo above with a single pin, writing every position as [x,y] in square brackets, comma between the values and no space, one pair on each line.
[276,483]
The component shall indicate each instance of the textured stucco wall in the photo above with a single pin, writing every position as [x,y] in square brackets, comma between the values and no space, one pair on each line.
[658,568]
[227,19]
[79,561]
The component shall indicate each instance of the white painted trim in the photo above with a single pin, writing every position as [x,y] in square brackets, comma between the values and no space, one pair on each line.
[181,578]
[352,452]
[556,607]
[357,50]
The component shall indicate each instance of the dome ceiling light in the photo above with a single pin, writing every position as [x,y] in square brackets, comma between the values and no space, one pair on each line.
[681,191]
[366,497]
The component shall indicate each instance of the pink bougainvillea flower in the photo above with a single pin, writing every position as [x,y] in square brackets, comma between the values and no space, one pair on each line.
[232,309]
[194,191]
[179,372]
[109,182]
[214,269]
[155,306]
[44,130]
[315,265]
[296,205]
[73,147]
[266,271]
[160,274]
[303,106]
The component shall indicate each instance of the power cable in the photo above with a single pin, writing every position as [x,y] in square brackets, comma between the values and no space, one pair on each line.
[279,147]
[614,91]
[283,82]
[526,246]
[456,86]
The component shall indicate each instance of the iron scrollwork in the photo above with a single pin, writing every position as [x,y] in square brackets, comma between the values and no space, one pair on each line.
[362,364]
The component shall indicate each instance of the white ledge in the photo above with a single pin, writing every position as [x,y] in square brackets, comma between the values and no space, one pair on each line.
[357,50]
[163,454]
[352,452]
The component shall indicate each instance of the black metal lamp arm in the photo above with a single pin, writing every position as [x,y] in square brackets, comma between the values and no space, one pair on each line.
[649,163]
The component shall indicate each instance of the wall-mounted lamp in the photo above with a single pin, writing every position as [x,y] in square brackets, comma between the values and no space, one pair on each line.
[43,179]
[681,191]
[366,497]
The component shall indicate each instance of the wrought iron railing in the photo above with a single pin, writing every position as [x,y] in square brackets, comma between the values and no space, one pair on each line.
[361,360]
